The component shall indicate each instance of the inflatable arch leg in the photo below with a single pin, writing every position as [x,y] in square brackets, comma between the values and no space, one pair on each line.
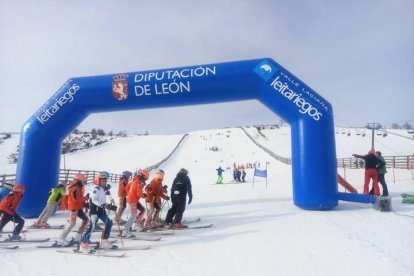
[310,116]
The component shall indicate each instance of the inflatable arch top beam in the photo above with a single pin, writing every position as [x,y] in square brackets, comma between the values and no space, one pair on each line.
[310,117]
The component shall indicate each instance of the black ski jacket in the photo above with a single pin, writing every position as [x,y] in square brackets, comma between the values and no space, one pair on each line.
[181,187]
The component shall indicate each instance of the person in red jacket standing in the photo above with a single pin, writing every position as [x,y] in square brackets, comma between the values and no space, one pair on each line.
[76,203]
[8,207]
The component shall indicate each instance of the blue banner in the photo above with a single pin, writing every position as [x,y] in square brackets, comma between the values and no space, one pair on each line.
[260,173]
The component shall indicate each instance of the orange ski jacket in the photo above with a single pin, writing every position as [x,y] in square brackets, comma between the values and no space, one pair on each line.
[10,202]
[134,191]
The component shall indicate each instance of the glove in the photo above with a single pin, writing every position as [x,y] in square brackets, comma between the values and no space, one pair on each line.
[110,207]
[167,198]
[86,205]
[108,192]
[108,187]
[190,200]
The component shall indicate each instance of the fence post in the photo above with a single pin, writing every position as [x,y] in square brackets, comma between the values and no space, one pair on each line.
[408,162]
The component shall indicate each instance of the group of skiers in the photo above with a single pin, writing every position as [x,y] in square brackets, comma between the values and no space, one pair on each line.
[239,174]
[132,192]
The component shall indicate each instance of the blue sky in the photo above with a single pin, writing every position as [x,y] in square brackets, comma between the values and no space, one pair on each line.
[359,55]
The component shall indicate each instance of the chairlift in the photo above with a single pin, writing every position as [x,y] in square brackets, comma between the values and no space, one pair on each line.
[343,131]
[385,133]
[379,133]
[357,132]
[410,131]
[349,132]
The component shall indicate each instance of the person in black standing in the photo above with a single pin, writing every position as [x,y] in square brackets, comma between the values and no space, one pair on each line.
[243,176]
[371,163]
[180,188]
[382,170]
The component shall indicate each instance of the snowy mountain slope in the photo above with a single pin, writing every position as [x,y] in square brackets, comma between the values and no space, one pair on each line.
[278,140]
[129,153]
[257,231]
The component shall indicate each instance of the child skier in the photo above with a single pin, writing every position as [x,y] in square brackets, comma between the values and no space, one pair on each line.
[97,206]
[76,203]
[219,175]
[154,192]
[8,208]
[55,195]
[122,194]
[134,194]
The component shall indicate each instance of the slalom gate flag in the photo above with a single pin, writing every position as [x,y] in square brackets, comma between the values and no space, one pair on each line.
[261,173]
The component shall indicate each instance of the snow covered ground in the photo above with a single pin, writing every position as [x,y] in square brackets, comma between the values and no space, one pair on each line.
[8,147]
[257,231]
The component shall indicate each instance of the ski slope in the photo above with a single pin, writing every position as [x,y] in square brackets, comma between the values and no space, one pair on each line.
[348,141]
[8,147]
[257,230]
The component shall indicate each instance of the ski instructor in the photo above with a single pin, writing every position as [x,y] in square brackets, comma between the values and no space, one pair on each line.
[180,187]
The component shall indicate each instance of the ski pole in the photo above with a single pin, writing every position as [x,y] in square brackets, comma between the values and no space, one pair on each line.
[117,222]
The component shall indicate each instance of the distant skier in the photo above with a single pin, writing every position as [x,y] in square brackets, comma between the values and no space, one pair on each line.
[180,188]
[243,174]
[122,194]
[8,207]
[219,175]
[235,174]
[154,192]
[76,204]
[238,176]
[55,195]
[97,206]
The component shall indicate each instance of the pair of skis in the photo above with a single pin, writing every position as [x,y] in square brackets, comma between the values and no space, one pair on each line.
[5,246]
[10,244]
[97,252]
[138,237]
[201,226]
[193,224]
[52,227]
[23,240]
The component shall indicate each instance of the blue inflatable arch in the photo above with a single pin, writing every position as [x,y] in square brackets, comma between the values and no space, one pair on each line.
[310,116]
